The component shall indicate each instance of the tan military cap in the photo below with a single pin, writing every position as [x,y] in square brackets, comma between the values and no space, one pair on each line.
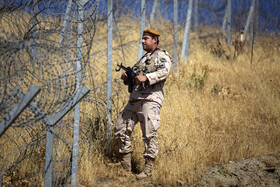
[151,32]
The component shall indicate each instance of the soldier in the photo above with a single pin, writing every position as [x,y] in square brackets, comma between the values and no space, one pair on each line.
[144,103]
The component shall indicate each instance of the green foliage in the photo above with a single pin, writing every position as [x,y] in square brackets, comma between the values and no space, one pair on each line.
[197,80]
[216,89]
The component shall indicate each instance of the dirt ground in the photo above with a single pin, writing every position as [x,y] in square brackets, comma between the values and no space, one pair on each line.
[252,172]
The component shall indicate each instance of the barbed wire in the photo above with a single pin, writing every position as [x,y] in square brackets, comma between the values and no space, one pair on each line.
[33,54]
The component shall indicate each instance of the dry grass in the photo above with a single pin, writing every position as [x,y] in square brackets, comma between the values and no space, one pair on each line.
[216,109]
[232,114]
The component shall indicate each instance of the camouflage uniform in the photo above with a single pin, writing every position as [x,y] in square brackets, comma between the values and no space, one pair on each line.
[145,103]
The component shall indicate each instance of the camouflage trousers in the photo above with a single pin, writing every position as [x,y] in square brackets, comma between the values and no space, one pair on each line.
[145,112]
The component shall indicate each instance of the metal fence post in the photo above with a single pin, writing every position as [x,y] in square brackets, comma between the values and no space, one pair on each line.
[66,22]
[109,71]
[19,107]
[50,122]
[78,86]
[34,30]
[48,161]
[143,16]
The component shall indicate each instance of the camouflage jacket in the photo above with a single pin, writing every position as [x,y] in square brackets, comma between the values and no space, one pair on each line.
[156,66]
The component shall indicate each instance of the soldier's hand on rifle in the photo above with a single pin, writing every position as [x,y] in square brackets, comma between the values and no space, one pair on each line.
[124,77]
[140,79]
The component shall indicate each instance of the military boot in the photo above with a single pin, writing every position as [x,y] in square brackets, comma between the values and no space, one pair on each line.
[126,161]
[148,169]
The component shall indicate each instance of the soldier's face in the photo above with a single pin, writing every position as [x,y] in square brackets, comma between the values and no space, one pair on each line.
[149,43]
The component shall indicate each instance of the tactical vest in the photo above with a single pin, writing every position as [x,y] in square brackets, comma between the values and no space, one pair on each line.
[149,65]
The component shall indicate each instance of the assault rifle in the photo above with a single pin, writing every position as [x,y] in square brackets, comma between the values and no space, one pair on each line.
[131,75]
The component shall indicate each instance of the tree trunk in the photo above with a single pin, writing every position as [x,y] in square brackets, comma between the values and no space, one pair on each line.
[249,19]
[175,36]
[228,22]
[185,46]
[155,11]
[195,15]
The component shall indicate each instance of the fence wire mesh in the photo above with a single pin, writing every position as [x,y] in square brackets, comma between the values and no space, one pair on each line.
[39,47]
[38,41]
